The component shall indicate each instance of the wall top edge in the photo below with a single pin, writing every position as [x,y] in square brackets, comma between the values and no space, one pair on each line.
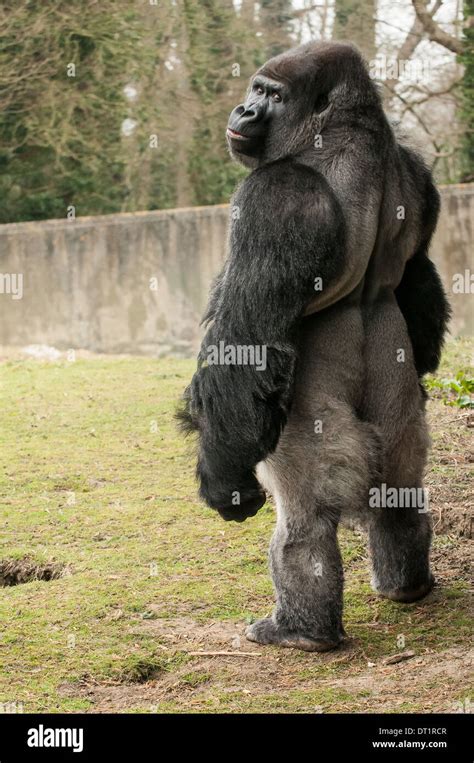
[117,218]
[157,214]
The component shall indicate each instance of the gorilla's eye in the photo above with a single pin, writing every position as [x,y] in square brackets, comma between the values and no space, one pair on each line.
[259,89]
[276,97]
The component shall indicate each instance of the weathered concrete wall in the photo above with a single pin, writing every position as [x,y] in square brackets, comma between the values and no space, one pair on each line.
[453,251]
[90,283]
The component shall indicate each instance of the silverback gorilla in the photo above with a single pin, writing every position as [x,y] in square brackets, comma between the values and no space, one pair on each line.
[328,276]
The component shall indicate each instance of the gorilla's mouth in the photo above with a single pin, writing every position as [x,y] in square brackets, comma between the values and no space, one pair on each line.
[233,135]
[243,147]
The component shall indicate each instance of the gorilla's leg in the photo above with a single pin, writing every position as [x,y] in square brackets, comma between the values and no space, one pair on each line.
[312,479]
[400,555]
[399,532]
[400,536]
[307,574]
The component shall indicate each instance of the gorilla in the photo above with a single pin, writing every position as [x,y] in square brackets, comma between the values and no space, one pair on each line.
[329,282]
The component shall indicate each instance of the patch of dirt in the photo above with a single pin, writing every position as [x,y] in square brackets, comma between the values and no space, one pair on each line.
[141,671]
[189,635]
[223,662]
[250,670]
[18,571]
[433,678]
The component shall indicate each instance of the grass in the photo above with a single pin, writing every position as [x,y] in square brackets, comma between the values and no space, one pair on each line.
[97,480]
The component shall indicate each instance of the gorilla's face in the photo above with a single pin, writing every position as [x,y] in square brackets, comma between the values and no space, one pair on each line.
[294,96]
[250,123]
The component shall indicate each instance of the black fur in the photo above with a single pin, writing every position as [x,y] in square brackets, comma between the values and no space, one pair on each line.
[423,302]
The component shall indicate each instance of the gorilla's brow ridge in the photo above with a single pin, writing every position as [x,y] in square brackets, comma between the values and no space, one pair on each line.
[262,79]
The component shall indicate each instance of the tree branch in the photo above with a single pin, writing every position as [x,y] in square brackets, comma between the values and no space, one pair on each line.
[433,30]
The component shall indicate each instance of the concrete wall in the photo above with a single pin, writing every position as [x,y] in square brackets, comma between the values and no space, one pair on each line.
[453,251]
[89,283]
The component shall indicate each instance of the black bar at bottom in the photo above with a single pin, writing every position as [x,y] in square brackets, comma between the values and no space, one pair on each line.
[81,737]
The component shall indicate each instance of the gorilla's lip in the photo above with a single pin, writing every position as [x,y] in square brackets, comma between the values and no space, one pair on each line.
[236,135]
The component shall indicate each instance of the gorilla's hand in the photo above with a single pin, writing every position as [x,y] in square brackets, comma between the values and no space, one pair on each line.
[236,501]
[244,510]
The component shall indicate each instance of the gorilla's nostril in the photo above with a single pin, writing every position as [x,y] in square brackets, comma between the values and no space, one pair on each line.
[250,115]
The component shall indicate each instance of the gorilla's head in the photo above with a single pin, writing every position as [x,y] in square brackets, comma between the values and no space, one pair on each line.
[292,96]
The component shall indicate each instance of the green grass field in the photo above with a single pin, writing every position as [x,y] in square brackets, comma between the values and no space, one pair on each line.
[97,481]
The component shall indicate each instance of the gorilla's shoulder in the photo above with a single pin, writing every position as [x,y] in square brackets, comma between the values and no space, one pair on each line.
[288,186]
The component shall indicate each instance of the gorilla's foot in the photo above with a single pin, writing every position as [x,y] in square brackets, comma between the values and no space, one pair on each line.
[407,595]
[266,631]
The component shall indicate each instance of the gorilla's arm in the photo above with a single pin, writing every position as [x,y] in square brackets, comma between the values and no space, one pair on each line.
[422,300]
[420,294]
[290,231]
